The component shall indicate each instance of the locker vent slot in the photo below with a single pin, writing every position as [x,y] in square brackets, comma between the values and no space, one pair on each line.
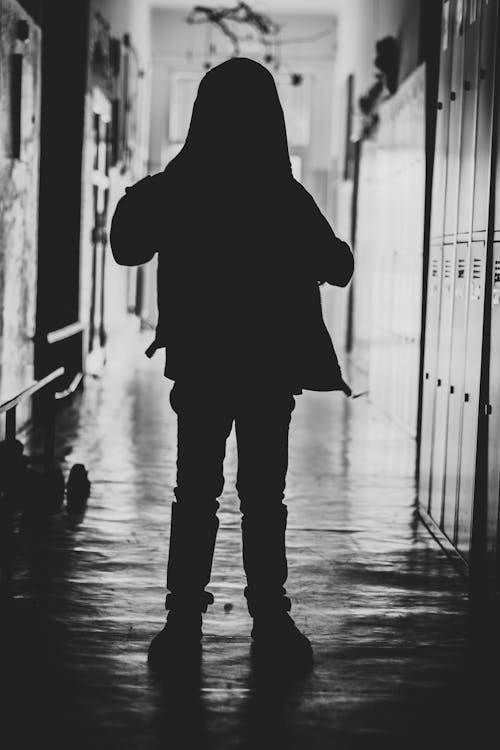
[447,269]
[435,268]
[497,272]
[461,268]
[476,268]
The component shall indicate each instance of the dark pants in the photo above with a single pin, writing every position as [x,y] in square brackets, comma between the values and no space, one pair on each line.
[205,418]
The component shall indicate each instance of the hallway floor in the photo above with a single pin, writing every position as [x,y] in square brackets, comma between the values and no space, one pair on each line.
[384,607]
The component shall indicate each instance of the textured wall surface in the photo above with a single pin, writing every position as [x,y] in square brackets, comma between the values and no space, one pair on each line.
[18,202]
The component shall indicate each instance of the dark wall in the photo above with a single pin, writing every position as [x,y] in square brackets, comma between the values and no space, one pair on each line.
[64,78]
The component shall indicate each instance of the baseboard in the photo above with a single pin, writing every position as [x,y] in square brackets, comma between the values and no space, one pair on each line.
[456,558]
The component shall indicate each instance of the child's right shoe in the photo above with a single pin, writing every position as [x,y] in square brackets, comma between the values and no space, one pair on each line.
[179,640]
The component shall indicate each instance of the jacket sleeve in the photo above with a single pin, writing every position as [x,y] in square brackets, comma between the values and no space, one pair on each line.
[330,257]
[134,235]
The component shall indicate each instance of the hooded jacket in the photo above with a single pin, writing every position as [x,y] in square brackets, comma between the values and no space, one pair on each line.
[241,245]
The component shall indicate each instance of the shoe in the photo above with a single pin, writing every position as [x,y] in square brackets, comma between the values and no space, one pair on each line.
[178,642]
[277,639]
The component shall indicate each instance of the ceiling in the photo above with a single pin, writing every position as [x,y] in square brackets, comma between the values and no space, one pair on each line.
[303,7]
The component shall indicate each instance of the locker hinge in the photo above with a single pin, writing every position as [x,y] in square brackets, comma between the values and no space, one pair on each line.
[488,409]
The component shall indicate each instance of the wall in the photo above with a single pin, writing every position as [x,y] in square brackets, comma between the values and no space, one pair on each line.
[366,192]
[60,184]
[179,46]
[390,252]
[18,203]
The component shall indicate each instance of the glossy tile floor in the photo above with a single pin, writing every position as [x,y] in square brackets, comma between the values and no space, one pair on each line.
[385,609]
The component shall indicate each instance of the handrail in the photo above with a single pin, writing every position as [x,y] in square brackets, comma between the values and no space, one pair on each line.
[58,395]
[30,390]
[65,332]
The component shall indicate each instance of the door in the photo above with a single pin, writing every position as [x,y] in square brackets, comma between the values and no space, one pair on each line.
[100,198]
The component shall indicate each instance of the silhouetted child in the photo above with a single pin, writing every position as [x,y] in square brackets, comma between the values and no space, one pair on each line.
[241,248]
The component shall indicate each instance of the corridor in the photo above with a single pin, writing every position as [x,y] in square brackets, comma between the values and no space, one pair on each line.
[383,605]
[298,193]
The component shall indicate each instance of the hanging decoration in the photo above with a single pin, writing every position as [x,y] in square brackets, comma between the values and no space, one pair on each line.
[260,25]
[242,13]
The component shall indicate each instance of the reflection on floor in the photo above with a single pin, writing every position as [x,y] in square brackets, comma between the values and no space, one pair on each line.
[383,606]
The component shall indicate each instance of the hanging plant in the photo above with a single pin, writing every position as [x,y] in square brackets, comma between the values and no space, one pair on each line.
[386,84]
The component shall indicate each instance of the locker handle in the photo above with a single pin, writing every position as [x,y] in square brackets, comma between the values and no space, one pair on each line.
[453,96]
[439,382]
[466,85]
[452,389]
[466,397]
[488,409]
[482,74]
[427,376]
[440,105]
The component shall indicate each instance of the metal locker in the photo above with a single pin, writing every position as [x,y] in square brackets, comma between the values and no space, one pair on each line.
[442,375]
[456,389]
[455,121]
[469,114]
[435,252]
[489,22]
[475,319]
[442,122]
[430,364]
[492,514]
[442,384]
[461,266]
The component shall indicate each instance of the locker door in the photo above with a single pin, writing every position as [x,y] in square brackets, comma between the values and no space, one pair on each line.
[456,389]
[455,121]
[485,114]
[442,384]
[438,456]
[461,266]
[493,528]
[469,115]
[475,319]
[442,123]
[430,363]
[436,253]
